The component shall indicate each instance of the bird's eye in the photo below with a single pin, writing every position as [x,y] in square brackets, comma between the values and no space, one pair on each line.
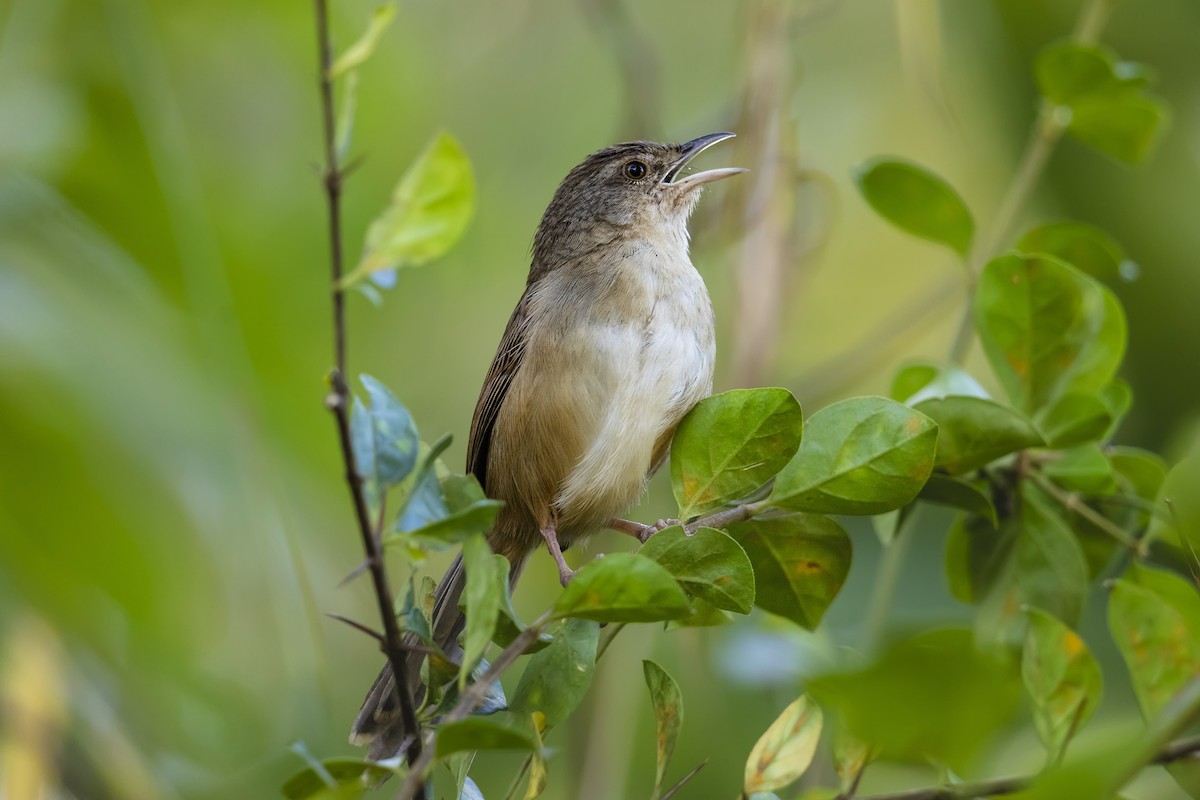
[635,170]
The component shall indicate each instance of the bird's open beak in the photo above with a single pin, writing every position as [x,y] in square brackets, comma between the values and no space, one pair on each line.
[692,149]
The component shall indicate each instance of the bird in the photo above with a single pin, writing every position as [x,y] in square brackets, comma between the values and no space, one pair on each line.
[611,343]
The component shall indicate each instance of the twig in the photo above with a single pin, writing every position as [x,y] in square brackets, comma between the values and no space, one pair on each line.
[728,516]
[338,400]
[1172,752]
[667,795]
[608,637]
[1071,502]
[470,699]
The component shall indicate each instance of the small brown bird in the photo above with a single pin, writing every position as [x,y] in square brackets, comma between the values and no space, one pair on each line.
[610,345]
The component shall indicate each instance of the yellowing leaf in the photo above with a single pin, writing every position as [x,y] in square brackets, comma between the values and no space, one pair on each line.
[784,752]
[362,49]
[429,212]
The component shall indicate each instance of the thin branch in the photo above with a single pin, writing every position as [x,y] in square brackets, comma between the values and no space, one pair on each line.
[613,630]
[1072,502]
[667,795]
[339,397]
[728,516]
[471,698]
[1174,751]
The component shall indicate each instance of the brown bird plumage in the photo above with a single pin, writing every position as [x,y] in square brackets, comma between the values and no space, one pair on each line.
[609,346]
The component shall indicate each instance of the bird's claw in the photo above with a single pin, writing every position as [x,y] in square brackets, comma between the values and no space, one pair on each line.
[661,525]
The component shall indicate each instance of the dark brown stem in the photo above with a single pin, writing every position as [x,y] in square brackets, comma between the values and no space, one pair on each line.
[339,397]
[728,516]
[1175,751]
[470,699]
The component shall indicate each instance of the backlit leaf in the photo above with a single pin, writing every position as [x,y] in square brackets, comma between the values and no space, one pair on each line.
[429,212]
[1087,248]
[487,585]
[362,49]
[785,750]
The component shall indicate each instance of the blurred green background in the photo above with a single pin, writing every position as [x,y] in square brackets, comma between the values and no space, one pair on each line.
[173,524]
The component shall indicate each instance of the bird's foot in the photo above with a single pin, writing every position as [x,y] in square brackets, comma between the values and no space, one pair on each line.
[639,531]
[649,530]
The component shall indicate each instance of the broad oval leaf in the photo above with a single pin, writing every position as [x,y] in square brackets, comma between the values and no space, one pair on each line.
[973,432]
[1085,247]
[1179,498]
[1047,329]
[1073,419]
[708,564]
[557,678]
[730,444]
[1159,640]
[915,200]
[623,587]
[429,211]
[800,563]
[1062,678]
[1082,469]
[481,733]
[785,750]
[865,455]
[1109,107]
[668,717]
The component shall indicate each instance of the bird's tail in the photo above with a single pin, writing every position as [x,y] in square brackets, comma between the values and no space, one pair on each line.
[379,722]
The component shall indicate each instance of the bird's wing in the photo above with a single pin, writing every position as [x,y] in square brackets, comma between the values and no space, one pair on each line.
[495,388]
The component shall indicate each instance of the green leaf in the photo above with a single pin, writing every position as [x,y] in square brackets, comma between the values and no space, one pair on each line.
[424,503]
[800,563]
[1181,503]
[384,440]
[343,778]
[922,380]
[1062,678]
[362,49]
[933,697]
[1117,396]
[1082,469]
[730,444]
[1073,419]
[915,200]
[708,564]
[785,750]
[704,615]
[470,513]
[960,494]
[557,678]
[1087,248]
[668,717]
[1159,641]
[487,585]
[1109,109]
[865,455]
[429,212]
[973,432]
[1140,474]
[623,587]
[480,733]
[1051,571]
[1047,329]
[978,556]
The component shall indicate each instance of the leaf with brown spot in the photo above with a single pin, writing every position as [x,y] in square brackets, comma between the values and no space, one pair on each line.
[785,750]
[668,716]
